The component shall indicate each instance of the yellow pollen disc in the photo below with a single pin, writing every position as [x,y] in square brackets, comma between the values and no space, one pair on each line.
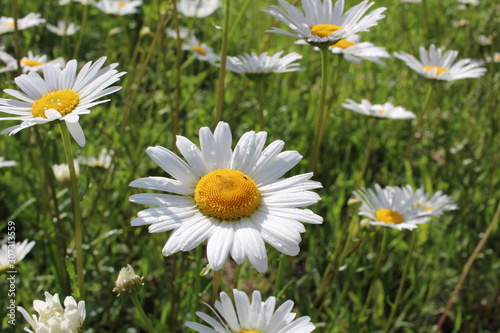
[324,30]
[381,111]
[121,4]
[28,62]
[439,69]
[343,44]
[227,194]
[8,24]
[199,49]
[64,101]
[248,331]
[388,216]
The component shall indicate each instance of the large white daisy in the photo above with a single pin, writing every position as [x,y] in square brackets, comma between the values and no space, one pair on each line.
[254,317]
[232,198]
[53,317]
[197,8]
[324,24]
[386,110]
[30,20]
[353,50]
[390,207]
[435,65]
[60,95]
[31,63]
[253,65]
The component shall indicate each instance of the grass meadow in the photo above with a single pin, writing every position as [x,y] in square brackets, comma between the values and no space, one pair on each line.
[167,92]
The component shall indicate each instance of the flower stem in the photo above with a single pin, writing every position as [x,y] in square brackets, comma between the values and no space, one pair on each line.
[142,314]
[399,293]
[82,30]
[279,277]
[318,133]
[222,68]
[261,100]
[215,286]
[77,213]
[17,43]
[176,109]
[373,126]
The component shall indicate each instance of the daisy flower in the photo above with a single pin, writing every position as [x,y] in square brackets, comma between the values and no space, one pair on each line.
[410,1]
[232,198]
[387,110]
[200,51]
[390,207]
[118,7]
[102,161]
[63,28]
[12,253]
[429,205]
[464,4]
[172,33]
[324,24]
[61,171]
[30,63]
[61,94]
[4,163]
[435,65]
[197,8]
[128,282]
[354,51]
[83,2]
[30,20]
[253,65]
[53,317]
[252,317]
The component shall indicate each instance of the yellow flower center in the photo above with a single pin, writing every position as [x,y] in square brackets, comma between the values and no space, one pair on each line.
[8,24]
[343,44]
[227,194]
[64,101]
[388,216]
[28,62]
[248,331]
[121,4]
[439,69]
[199,49]
[381,111]
[324,30]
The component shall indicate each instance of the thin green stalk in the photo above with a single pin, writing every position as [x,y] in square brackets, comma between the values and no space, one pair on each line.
[467,268]
[261,89]
[176,109]
[17,43]
[242,10]
[368,150]
[378,264]
[222,68]
[399,293]
[142,314]
[77,212]
[82,30]
[215,286]
[279,275]
[318,138]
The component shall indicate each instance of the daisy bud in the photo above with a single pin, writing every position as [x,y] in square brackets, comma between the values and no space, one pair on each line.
[128,282]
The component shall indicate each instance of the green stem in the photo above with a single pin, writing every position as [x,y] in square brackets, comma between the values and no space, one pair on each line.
[279,277]
[222,68]
[318,137]
[176,110]
[77,213]
[373,126]
[378,264]
[142,314]
[17,43]
[215,286]
[399,293]
[261,100]
[82,30]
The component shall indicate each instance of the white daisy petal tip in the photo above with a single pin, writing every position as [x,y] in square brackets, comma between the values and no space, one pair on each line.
[229,196]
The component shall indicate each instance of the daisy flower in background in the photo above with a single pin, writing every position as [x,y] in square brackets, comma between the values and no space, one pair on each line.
[172,33]
[464,4]
[235,199]
[83,2]
[429,205]
[63,28]
[200,51]
[19,249]
[391,207]
[4,163]
[387,110]
[252,317]
[197,8]
[258,66]
[495,58]
[60,95]
[324,24]
[435,65]
[30,20]
[53,317]
[127,282]
[410,1]
[30,63]
[484,40]
[354,51]
[118,7]
[102,161]
[61,171]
